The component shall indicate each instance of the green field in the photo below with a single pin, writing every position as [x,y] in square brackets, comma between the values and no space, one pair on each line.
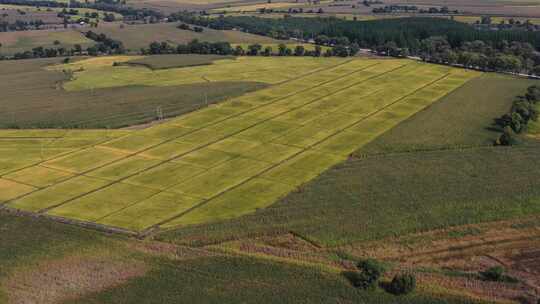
[208,165]
[34,97]
[42,261]
[463,118]
[98,73]
[435,170]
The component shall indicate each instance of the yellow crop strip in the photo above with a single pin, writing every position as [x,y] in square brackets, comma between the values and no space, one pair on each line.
[230,159]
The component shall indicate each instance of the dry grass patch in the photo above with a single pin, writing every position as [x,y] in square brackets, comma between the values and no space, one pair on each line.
[69,278]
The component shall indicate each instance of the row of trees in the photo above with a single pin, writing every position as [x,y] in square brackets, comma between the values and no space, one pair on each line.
[20,25]
[434,39]
[369,273]
[105,45]
[413,9]
[186,27]
[116,6]
[505,56]
[41,52]
[225,48]
[524,109]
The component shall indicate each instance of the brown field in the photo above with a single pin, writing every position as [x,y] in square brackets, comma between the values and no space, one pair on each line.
[11,14]
[135,37]
[13,42]
[523,8]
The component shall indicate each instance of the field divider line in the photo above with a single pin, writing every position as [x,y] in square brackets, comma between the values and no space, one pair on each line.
[154,229]
[428,150]
[22,183]
[44,210]
[260,122]
[40,163]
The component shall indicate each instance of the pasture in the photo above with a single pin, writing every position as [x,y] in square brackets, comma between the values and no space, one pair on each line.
[50,13]
[21,41]
[47,105]
[444,148]
[207,165]
[135,37]
[99,73]
[42,261]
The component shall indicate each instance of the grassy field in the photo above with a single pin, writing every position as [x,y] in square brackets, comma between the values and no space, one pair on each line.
[445,148]
[20,41]
[360,200]
[33,10]
[46,262]
[207,166]
[463,118]
[140,36]
[100,73]
[35,99]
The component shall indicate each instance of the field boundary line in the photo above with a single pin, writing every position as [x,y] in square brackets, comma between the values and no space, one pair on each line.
[40,163]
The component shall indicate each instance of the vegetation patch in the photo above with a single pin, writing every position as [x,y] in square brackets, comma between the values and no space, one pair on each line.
[69,278]
[463,118]
[216,159]
[47,105]
[176,61]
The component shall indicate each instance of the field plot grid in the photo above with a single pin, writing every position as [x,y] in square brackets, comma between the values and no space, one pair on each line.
[230,159]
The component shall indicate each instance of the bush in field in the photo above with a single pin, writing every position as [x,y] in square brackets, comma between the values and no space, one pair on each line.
[402,284]
[507,138]
[370,271]
[360,280]
[494,274]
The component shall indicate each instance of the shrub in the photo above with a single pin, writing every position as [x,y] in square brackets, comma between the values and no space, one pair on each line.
[507,138]
[361,280]
[370,271]
[494,274]
[402,284]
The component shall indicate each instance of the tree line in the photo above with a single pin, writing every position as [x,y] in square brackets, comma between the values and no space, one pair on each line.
[116,6]
[433,39]
[225,48]
[20,25]
[523,110]
[104,45]
[515,57]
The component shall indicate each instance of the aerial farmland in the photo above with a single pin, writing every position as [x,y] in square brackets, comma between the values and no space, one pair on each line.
[185,156]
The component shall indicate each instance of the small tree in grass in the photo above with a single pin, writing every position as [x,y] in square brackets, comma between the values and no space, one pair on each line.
[507,138]
[402,284]
[370,271]
[494,274]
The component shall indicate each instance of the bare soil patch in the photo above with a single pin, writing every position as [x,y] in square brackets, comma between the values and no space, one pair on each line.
[69,278]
